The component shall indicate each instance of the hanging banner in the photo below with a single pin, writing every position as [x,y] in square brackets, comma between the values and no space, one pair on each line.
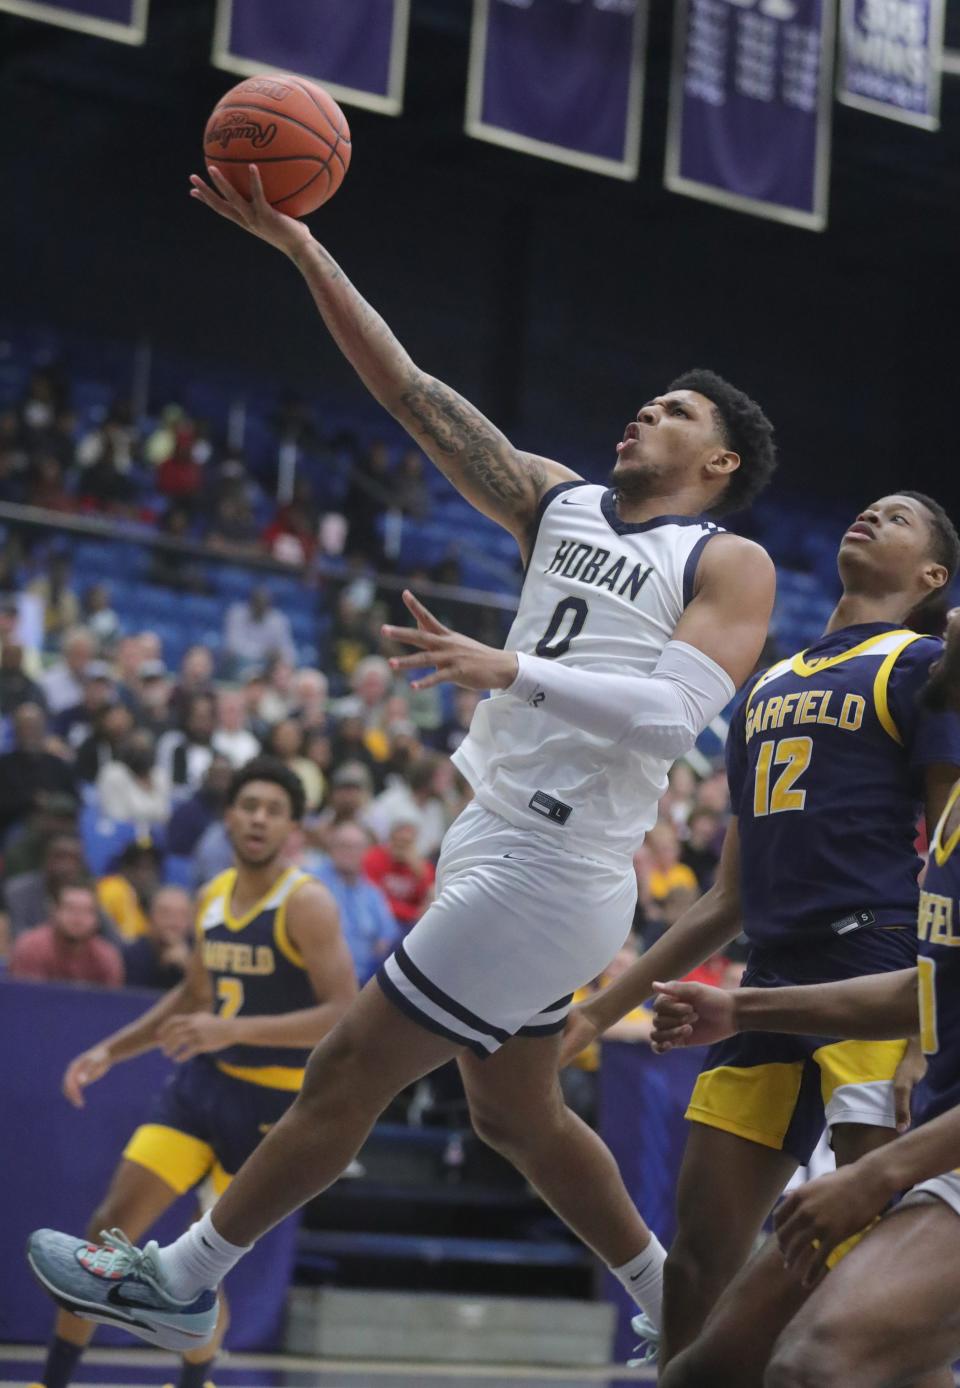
[562,79]
[357,49]
[891,53]
[750,105]
[123,20]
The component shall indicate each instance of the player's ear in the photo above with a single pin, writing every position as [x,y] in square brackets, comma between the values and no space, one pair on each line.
[936,576]
[723,464]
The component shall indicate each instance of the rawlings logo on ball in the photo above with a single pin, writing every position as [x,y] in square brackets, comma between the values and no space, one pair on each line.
[237,125]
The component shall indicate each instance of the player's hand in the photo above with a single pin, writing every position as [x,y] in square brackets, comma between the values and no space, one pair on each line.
[253,214]
[908,1075]
[457,659]
[942,690]
[579,1032]
[84,1070]
[691,1014]
[193,1033]
[815,1218]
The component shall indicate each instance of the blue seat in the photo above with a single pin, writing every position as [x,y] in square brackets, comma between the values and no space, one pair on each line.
[102,838]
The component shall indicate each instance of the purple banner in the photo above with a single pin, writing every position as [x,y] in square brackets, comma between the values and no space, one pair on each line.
[357,49]
[750,105]
[890,59]
[123,20]
[562,79]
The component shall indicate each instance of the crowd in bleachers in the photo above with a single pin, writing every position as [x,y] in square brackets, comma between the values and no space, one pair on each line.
[134,678]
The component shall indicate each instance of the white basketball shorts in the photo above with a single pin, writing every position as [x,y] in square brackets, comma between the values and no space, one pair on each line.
[519,923]
[945,1188]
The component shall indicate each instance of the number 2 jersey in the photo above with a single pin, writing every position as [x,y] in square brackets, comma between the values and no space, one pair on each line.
[599,594]
[825,760]
[255,971]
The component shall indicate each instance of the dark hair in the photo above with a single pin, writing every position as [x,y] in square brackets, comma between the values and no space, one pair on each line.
[74,884]
[744,428]
[930,616]
[273,770]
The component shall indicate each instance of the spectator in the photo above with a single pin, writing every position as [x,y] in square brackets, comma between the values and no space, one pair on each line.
[131,787]
[170,567]
[46,484]
[234,529]
[63,682]
[411,494]
[277,698]
[75,724]
[159,958]
[69,948]
[185,755]
[253,689]
[127,658]
[192,817]
[369,493]
[285,741]
[126,892]
[714,794]
[61,607]
[16,686]
[291,537]
[405,878]
[232,737]
[677,804]
[113,442]
[701,849]
[10,633]
[154,691]
[29,896]
[351,788]
[213,854]
[365,916]
[420,797]
[112,725]
[52,813]
[99,616]
[196,677]
[256,631]
[309,690]
[30,770]
[350,638]
[666,870]
[350,738]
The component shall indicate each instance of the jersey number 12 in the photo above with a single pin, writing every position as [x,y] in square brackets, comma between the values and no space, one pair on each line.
[793,754]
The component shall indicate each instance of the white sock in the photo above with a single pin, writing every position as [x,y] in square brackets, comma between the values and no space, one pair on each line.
[642,1278]
[198,1261]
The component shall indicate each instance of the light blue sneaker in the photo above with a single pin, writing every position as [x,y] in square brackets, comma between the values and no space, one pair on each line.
[117,1284]
[643,1326]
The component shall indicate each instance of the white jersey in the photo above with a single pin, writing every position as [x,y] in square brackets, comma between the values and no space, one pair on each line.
[599,594]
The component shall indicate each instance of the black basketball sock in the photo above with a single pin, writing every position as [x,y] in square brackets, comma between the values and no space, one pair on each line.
[62,1359]
[194,1375]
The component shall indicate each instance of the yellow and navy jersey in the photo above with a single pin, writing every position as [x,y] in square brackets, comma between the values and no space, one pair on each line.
[938,966]
[825,759]
[256,971]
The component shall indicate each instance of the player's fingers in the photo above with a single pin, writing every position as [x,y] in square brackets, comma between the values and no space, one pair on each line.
[227,191]
[257,196]
[411,636]
[423,614]
[217,204]
[428,682]
[901,1102]
[417,661]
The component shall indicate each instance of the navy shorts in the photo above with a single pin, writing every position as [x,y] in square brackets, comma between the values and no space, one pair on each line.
[779,1090]
[204,1123]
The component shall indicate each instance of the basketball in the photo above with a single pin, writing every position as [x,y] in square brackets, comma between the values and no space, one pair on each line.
[291,129]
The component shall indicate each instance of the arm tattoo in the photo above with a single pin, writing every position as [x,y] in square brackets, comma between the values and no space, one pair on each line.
[470,449]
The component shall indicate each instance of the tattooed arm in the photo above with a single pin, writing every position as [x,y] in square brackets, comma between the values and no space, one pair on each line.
[500,480]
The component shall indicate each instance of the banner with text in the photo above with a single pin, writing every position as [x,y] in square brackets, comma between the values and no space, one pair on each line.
[358,51]
[123,20]
[750,105]
[891,53]
[562,79]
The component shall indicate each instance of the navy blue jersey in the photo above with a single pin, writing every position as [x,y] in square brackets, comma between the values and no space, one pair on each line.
[256,971]
[825,758]
[938,965]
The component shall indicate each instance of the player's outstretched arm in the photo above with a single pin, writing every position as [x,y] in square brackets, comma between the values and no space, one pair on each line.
[313,926]
[709,924]
[877,1007]
[837,1206]
[503,482]
[193,994]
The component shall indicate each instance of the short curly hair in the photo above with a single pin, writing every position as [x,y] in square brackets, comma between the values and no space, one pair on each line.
[277,773]
[930,616]
[744,428]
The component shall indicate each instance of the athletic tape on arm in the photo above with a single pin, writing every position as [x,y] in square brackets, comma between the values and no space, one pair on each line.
[661,714]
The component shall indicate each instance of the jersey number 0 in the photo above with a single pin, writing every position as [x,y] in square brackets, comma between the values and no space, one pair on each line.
[568,617]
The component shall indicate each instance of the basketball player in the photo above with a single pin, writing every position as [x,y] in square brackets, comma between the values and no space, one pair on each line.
[638,619]
[887,1313]
[270,976]
[827,755]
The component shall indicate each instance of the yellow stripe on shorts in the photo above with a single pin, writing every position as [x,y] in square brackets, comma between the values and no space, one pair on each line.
[176,1157]
[755,1102]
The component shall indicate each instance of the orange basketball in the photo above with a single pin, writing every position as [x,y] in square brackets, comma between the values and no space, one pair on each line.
[291,129]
